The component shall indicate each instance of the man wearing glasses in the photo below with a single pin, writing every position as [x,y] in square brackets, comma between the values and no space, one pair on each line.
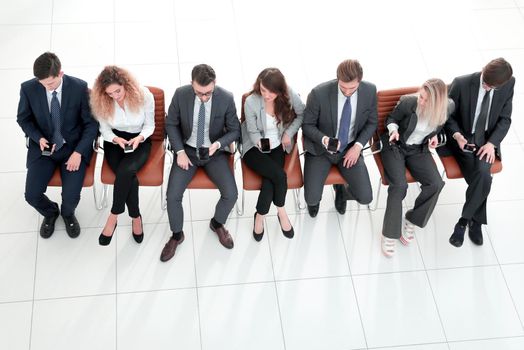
[201,122]
[483,103]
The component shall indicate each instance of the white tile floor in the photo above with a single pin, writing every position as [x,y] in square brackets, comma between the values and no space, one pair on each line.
[329,287]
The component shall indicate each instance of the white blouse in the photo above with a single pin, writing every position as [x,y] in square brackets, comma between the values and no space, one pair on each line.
[142,121]
[272,131]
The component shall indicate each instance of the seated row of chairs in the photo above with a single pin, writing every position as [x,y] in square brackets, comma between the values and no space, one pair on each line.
[152,173]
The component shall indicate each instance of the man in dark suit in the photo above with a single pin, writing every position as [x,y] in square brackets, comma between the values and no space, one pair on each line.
[54,114]
[201,123]
[343,111]
[481,120]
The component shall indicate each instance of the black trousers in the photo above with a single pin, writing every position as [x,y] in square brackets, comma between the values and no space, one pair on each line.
[40,172]
[477,174]
[274,179]
[126,166]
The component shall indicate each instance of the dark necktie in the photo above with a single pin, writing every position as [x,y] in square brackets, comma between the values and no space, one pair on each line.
[345,121]
[201,125]
[480,127]
[57,139]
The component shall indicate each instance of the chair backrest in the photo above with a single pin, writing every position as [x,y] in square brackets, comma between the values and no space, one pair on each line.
[242,113]
[160,113]
[386,102]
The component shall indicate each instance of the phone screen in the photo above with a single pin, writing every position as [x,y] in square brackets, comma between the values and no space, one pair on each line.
[469,148]
[128,148]
[332,144]
[203,153]
[264,145]
[47,150]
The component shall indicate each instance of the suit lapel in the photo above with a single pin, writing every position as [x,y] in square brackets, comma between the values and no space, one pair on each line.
[44,107]
[214,106]
[189,109]
[65,99]
[333,103]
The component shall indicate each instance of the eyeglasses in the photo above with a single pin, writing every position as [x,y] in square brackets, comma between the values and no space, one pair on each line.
[204,94]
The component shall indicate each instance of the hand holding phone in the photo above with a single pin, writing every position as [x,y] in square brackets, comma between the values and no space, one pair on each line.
[264,145]
[128,148]
[332,144]
[48,150]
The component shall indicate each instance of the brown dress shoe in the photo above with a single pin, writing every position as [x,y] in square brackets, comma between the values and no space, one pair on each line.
[223,236]
[169,249]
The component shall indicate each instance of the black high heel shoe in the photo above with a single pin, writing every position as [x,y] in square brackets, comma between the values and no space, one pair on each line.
[140,237]
[105,240]
[290,233]
[257,236]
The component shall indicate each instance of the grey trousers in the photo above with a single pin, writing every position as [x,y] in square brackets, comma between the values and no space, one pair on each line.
[420,163]
[316,170]
[218,170]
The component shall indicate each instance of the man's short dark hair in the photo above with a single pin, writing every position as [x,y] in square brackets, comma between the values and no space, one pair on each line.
[497,72]
[349,70]
[203,74]
[47,65]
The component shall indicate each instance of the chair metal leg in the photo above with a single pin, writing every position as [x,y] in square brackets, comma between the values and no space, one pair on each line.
[98,201]
[298,201]
[105,194]
[240,208]
[375,204]
[163,197]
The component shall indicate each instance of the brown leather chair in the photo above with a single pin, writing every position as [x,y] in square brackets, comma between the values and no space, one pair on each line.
[251,181]
[386,102]
[452,169]
[152,173]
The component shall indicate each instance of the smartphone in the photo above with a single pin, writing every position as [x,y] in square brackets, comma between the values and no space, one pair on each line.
[332,144]
[264,145]
[128,148]
[203,153]
[47,150]
[469,148]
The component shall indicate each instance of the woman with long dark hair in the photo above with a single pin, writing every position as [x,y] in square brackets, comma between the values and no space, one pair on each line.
[273,115]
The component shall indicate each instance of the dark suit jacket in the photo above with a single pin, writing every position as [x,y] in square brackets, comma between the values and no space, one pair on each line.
[464,92]
[224,125]
[320,116]
[79,128]
[405,116]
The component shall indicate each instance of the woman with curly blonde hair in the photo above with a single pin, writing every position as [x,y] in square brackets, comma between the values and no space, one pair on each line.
[126,112]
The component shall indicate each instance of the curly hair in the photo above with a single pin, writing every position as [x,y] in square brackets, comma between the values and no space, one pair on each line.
[274,81]
[102,105]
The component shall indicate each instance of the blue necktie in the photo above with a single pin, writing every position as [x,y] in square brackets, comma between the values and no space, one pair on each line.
[345,121]
[201,125]
[57,139]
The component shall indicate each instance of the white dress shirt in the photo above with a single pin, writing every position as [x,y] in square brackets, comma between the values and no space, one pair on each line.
[141,121]
[482,92]
[196,107]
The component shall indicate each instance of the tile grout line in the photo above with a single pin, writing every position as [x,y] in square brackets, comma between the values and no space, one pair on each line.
[275,284]
[341,232]
[432,293]
[196,285]
[34,291]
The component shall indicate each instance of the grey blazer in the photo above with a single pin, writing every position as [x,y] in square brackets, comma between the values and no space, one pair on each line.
[254,127]
[224,126]
[320,116]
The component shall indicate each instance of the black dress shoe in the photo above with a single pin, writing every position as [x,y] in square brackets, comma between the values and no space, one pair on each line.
[257,236]
[290,233]
[475,232]
[48,226]
[138,237]
[340,199]
[457,238]
[313,210]
[105,240]
[72,226]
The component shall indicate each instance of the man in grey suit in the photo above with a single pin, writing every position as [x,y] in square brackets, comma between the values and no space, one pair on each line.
[201,122]
[481,120]
[340,118]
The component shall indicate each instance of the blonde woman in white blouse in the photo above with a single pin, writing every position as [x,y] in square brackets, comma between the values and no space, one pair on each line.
[126,112]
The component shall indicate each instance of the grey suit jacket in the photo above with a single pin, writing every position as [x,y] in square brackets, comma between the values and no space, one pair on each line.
[224,125]
[464,92]
[320,116]
[254,127]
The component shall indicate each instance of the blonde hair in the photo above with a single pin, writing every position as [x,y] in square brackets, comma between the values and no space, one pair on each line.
[102,105]
[436,107]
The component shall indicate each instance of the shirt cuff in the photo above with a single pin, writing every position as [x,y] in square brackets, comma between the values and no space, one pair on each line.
[392,127]
[358,143]
[182,150]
